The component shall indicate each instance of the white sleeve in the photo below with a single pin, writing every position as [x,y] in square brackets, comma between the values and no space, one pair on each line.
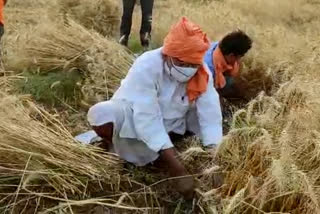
[147,117]
[210,115]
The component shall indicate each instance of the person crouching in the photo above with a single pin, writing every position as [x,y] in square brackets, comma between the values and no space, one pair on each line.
[167,90]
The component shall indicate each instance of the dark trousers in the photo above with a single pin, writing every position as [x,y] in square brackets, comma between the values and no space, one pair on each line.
[1,30]
[146,22]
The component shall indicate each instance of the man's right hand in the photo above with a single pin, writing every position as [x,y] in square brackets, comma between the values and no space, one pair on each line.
[184,185]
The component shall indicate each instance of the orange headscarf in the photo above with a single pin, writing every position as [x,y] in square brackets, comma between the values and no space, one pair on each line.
[1,11]
[221,66]
[188,43]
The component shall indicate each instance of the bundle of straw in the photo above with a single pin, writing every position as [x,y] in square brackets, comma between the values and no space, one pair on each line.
[70,46]
[101,15]
[42,156]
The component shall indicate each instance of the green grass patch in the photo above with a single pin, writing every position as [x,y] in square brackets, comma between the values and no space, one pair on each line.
[52,88]
[135,46]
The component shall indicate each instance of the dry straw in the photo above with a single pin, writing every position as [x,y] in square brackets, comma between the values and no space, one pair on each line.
[33,152]
[101,15]
[70,46]
[40,160]
[270,164]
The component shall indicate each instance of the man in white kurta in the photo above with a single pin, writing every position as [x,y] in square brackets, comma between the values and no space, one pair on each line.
[153,101]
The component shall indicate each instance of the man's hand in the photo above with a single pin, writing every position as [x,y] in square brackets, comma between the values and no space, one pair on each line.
[184,185]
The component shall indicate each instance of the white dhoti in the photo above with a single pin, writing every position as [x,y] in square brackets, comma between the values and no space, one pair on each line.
[126,143]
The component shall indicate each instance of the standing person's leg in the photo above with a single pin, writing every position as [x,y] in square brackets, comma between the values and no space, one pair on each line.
[1,34]
[1,31]
[126,21]
[146,23]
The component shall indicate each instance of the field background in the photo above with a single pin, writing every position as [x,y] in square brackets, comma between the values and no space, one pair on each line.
[60,56]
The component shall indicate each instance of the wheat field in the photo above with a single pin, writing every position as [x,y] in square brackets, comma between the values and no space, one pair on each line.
[269,158]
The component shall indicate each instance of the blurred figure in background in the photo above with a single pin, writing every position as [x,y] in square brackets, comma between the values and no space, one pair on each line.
[2,4]
[146,22]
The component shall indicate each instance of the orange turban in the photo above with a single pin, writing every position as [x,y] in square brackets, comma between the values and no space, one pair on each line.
[2,2]
[187,42]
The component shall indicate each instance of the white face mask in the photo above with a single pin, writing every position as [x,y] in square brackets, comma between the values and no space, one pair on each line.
[181,74]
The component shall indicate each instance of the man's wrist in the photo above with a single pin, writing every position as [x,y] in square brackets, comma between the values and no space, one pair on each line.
[175,166]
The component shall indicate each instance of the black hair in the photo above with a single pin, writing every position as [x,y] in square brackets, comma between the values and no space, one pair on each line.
[236,42]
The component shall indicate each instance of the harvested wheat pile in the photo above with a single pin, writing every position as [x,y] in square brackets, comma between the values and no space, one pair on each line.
[34,155]
[41,165]
[68,47]
[100,15]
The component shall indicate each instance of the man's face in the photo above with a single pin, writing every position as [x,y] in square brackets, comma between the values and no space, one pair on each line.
[231,59]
